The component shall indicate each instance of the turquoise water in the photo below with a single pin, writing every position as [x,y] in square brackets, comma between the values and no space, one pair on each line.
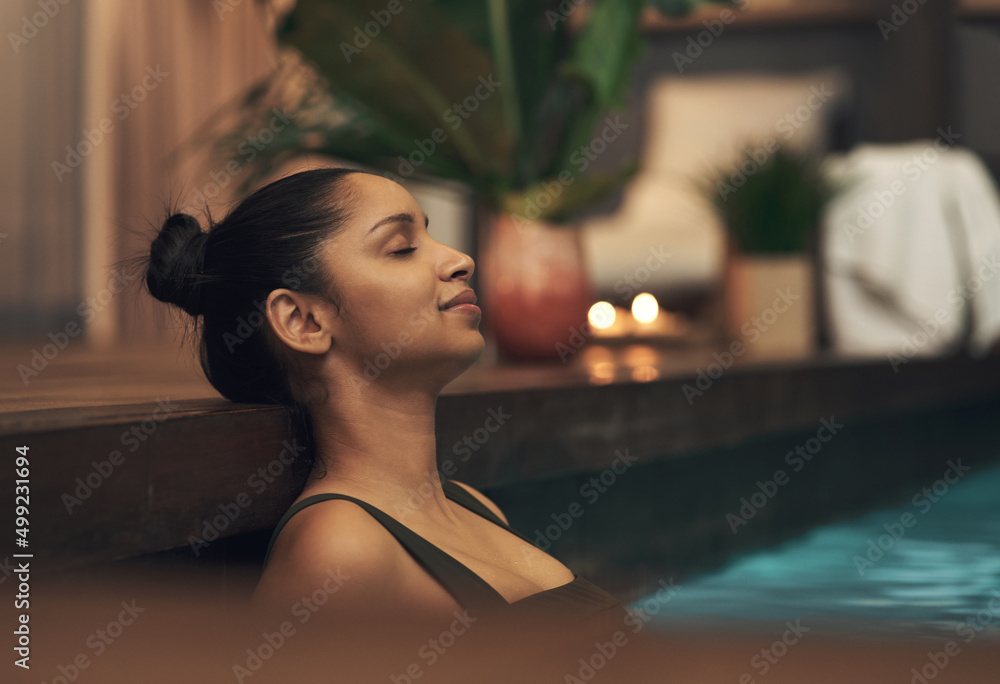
[939,570]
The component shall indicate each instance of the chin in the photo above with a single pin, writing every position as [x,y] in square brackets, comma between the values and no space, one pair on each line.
[475,346]
[480,345]
[455,350]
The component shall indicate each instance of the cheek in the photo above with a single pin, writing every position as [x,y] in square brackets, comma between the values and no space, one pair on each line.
[383,314]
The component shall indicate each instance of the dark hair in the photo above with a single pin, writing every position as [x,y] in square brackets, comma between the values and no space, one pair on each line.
[272,239]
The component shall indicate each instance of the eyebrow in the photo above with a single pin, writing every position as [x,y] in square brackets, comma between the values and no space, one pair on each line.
[395,218]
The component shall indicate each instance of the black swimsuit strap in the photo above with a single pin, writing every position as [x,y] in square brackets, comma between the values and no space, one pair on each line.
[461,495]
[468,588]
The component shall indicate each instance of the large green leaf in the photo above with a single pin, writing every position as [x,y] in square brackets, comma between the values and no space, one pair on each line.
[606,49]
[559,199]
[389,85]
[418,72]
[600,70]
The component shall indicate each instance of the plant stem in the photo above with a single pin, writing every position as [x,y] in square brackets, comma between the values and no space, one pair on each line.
[500,40]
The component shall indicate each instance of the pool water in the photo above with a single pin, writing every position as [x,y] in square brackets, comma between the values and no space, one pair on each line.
[929,566]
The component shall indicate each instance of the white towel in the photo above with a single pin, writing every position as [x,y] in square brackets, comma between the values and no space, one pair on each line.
[911,250]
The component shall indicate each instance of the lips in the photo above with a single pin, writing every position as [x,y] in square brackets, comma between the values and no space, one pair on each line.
[464,297]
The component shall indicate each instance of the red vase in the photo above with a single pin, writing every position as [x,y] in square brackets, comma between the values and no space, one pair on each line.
[534,287]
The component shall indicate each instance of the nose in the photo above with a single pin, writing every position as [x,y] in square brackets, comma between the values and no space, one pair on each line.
[460,265]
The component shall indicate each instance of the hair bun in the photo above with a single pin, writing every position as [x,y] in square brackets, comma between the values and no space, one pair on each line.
[175,263]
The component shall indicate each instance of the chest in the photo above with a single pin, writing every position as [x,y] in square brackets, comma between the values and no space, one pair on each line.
[514,567]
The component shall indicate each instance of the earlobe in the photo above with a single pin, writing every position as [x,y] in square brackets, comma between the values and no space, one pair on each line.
[299,321]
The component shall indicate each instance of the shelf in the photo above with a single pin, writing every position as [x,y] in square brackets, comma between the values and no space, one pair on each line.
[769,15]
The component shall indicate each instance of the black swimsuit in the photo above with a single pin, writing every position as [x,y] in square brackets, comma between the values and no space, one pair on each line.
[578,598]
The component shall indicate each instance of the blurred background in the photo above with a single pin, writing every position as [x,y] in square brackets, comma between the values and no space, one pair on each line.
[121,109]
[753,244]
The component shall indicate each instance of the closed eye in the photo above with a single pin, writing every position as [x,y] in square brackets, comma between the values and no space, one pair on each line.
[404,252]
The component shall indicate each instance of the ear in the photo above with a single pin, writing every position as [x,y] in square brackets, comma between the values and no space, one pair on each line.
[303,322]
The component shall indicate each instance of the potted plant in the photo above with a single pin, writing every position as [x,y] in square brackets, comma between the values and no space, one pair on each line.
[770,205]
[509,97]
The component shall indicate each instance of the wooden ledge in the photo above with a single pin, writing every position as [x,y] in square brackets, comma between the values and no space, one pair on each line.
[113,480]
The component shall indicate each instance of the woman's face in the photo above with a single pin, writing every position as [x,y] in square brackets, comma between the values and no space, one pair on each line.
[393,278]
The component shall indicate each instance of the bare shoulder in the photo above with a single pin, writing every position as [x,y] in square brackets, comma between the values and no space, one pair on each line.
[329,547]
[482,499]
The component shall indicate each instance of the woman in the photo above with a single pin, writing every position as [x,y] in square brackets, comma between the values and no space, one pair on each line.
[339,265]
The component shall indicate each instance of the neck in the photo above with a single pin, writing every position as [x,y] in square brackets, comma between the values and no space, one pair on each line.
[380,446]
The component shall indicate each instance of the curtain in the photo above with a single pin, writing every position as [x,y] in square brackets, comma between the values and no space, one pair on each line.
[40,272]
[122,84]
